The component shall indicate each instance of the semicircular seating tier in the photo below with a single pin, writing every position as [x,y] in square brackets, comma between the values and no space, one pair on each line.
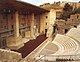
[69,45]
[66,46]
[74,33]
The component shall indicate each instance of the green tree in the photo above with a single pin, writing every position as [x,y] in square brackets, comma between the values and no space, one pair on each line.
[77,10]
[67,7]
[67,11]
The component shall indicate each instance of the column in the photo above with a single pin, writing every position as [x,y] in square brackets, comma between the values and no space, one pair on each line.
[16,27]
[39,24]
[32,25]
[9,22]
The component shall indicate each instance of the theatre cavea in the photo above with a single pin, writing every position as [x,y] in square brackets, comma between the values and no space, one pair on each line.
[30,33]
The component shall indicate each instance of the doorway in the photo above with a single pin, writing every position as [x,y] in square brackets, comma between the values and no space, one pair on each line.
[45,32]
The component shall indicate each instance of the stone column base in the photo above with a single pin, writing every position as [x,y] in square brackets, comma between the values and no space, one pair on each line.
[14,42]
[27,34]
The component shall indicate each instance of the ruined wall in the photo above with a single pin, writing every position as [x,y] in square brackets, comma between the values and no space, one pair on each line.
[9,56]
[63,26]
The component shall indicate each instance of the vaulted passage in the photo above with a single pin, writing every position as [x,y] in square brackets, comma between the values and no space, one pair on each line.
[31,45]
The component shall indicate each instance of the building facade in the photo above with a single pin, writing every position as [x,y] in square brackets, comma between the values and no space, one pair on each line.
[19,20]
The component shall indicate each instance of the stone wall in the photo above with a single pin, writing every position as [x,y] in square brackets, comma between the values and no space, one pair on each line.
[15,25]
[63,26]
[47,19]
[9,56]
